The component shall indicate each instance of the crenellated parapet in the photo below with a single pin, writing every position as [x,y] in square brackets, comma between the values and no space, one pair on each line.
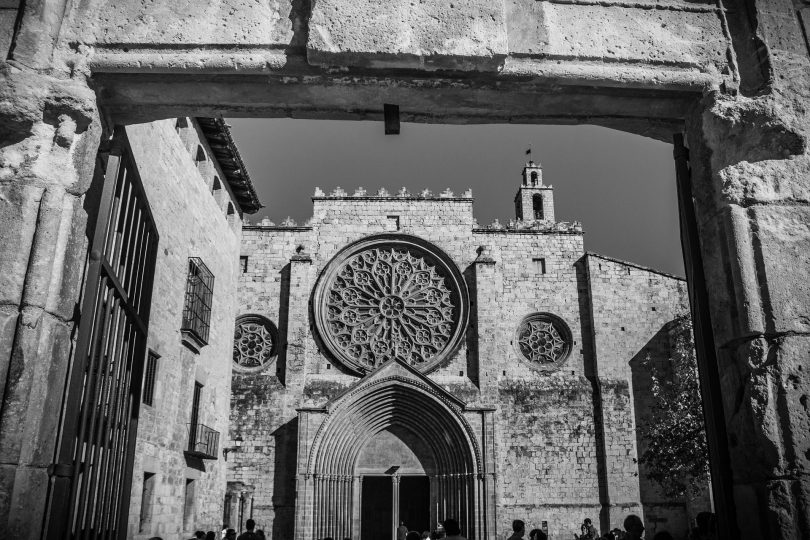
[382,193]
[535,226]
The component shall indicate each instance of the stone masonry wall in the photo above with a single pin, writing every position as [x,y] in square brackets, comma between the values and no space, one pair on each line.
[191,223]
[633,308]
[547,469]
[545,431]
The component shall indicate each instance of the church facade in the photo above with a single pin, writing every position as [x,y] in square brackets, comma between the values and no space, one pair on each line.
[396,362]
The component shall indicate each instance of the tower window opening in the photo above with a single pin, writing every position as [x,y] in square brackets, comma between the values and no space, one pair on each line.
[537,206]
[534,178]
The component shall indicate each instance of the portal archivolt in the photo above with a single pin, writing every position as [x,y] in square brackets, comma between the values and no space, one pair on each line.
[438,439]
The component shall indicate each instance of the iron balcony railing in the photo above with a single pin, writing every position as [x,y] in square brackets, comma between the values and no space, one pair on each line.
[203,442]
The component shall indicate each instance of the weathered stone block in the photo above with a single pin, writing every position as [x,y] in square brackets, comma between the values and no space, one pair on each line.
[462,35]
[19,209]
[782,238]
[7,18]
[170,22]
[677,37]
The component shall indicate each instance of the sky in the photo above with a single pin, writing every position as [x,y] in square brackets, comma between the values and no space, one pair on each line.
[620,186]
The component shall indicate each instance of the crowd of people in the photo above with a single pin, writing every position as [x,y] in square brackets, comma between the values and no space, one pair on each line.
[449,529]
[251,533]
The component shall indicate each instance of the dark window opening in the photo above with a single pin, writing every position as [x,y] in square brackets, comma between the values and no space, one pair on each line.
[216,187]
[537,206]
[149,377]
[200,157]
[243,263]
[199,293]
[195,414]
[147,498]
[180,125]
[188,505]
[541,264]
[534,178]
[231,214]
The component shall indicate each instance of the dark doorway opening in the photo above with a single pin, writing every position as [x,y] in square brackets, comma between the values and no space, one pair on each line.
[414,502]
[376,514]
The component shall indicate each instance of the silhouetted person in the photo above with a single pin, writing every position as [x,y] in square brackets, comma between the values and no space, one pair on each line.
[210,535]
[453,530]
[537,534]
[260,534]
[402,531]
[588,531]
[249,534]
[413,535]
[425,535]
[518,529]
[199,535]
[230,534]
[634,527]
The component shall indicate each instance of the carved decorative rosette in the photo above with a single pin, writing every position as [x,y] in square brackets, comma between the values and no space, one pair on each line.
[544,340]
[254,343]
[391,296]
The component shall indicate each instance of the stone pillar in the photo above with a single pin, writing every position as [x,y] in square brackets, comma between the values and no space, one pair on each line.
[297,324]
[484,291]
[394,504]
[750,176]
[751,187]
[49,137]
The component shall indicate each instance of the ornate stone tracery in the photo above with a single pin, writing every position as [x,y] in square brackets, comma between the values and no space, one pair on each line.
[544,339]
[254,342]
[391,298]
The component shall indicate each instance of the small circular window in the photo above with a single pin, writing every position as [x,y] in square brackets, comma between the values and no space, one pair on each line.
[544,340]
[255,341]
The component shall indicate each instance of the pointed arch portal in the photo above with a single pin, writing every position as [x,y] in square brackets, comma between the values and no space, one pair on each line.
[397,431]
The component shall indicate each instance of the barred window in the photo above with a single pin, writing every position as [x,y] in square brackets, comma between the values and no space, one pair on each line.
[199,292]
[150,374]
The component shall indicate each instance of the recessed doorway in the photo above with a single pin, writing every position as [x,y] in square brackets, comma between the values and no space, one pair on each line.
[378,520]
[414,502]
[377,508]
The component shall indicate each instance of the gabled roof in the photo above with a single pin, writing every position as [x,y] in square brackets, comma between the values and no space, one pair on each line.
[633,265]
[218,135]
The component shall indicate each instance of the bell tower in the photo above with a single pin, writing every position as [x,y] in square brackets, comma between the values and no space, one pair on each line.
[534,200]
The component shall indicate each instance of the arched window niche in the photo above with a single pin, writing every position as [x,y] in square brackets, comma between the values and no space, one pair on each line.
[537,206]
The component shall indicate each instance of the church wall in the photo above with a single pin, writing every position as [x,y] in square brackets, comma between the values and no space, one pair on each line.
[545,433]
[263,417]
[633,310]
[548,453]
[191,223]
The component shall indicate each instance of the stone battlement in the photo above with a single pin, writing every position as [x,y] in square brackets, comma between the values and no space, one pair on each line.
[382,193]
[542,226]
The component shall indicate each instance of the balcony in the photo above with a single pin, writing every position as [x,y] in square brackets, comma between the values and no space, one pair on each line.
[203,442]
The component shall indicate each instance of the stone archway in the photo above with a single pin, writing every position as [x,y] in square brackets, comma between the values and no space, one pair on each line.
[399,400]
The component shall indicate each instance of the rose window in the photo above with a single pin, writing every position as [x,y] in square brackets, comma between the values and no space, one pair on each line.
[391,297]
[544,339]
[254,342]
